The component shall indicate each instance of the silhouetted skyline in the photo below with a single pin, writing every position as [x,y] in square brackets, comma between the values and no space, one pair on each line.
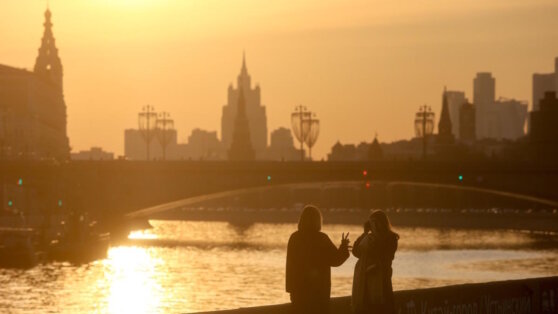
[380,61]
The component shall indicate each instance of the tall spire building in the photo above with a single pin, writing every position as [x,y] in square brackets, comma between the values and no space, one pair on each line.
[255,113]
[32,107]
[241,145]
[48,65]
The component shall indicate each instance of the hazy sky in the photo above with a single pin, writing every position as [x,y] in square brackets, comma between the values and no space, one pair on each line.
[364,66]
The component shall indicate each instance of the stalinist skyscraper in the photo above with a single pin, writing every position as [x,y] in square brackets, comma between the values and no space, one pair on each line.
[255,112]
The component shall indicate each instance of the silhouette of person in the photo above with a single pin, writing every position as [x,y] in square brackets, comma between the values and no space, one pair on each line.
[310,256]
[375,250]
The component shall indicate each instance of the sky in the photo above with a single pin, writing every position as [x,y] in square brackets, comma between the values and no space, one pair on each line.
[364,66]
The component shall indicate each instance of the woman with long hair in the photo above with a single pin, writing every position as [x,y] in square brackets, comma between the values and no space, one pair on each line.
[310,256]
[375,250]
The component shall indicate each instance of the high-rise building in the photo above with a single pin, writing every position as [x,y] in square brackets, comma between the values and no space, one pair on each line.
[255,113]
[542,83]
[511,118]
[456,99]
[241,146]
[484,95]
[467,123]
[544,123]
[501,119]
[32,107]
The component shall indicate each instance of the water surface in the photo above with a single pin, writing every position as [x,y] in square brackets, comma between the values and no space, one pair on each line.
[181,267]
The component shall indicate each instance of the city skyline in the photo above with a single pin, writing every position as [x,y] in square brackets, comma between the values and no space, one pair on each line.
[107,80]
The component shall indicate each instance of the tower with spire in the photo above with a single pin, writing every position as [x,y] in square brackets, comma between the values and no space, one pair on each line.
[36,125]
[241,146]
[445,135]
[255,112]
[48,65]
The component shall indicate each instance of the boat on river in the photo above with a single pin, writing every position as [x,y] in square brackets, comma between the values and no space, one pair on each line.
[19,248]
[80,243]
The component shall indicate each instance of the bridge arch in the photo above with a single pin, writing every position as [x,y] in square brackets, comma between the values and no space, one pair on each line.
[390,188]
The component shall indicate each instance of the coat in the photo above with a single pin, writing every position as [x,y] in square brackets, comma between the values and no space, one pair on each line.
[372,287]
[310,256]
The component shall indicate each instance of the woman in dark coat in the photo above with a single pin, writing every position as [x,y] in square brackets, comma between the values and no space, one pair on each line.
[310,256]
[375,250]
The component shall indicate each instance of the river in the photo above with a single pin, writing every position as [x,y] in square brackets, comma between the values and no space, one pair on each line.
[181,266]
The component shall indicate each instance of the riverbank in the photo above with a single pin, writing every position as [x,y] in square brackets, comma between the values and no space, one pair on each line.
[537,295]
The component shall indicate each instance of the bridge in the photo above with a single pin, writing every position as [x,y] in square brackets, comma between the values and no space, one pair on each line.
[118,188]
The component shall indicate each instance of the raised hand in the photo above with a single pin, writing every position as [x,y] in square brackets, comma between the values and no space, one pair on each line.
[345,240]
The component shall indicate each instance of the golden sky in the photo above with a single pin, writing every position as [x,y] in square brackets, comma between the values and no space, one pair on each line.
[363,66]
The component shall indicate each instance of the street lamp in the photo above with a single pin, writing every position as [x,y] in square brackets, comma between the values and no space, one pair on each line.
[311,127]
[164,124]
[297,123]
[424,126]
[146,125]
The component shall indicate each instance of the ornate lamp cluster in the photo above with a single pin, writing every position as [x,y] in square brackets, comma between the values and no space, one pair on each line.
[306,128]
[151,125]
[424,125]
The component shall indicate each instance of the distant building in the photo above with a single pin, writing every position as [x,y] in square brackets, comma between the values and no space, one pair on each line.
[349,152]
[340,152]
[407,149]
[241,148]
[255,113]
[202,145]
[375,151]
[445,135]
[32,107]
[501,119]
[282,146]
[467,123]
[484,96]
[455,100]
[135,147]
[543,83]
[511,119]
[544,127]
[95,153]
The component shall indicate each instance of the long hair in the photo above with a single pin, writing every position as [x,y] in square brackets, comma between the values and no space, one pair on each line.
[310,219]
[382,223]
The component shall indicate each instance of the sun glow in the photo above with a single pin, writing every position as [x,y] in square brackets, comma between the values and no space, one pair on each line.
[134,287]
[142,235]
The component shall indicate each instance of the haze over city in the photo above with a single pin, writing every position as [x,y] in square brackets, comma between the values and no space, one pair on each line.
[363,66]
[308,157]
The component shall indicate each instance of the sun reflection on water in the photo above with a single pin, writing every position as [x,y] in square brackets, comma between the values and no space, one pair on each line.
[131,276]
[142,235]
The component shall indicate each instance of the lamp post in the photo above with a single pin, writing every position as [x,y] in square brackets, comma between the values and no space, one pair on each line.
[424,126]
[146,125]
[164,124]
[312,129]
[297,123]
